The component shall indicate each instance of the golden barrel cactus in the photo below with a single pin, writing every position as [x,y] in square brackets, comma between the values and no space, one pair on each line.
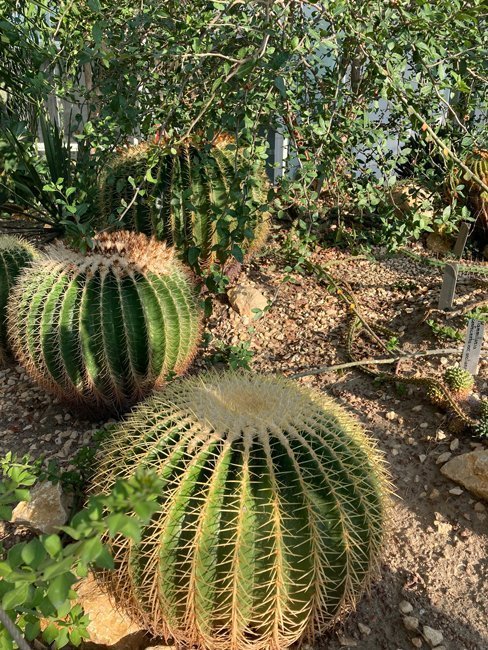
[271,517]
[15,254]
[101,330]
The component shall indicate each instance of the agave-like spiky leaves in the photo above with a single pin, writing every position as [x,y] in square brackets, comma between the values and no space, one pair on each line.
[101,330]
[15,254]
[271,518]
[190,204]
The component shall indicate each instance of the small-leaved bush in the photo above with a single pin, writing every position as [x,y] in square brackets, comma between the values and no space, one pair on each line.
[37,577]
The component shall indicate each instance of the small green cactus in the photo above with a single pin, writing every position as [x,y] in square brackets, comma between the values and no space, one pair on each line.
[436,396]
[271,519]
[481,428]
[15,254]
[459,381]
[101,330]
[190,205]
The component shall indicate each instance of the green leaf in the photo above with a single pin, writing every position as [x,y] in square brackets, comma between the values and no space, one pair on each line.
[16,597]
[125,525]
[59,589]
[52,544]
[33,553]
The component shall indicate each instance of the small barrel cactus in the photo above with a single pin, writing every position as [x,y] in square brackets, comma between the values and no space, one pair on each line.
[192,203]
[271,515]
[459,381]
[481,428]
[15,254]
[101,330]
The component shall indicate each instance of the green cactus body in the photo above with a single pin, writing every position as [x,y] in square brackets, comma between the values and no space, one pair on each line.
[459,381]
[481,428]
[190,204]
[271,517]
[101,330]
[15,254]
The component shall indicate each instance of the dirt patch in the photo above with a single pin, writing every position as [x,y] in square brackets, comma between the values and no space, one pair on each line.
[436,555]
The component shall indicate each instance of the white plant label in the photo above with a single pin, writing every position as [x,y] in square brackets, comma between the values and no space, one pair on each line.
[472,346]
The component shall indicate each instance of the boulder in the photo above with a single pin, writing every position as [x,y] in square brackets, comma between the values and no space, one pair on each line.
[108,625]
[471,471]
[46,511]
[244,298]
[438,243]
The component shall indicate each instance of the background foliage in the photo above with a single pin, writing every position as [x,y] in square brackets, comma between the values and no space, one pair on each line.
[347,83]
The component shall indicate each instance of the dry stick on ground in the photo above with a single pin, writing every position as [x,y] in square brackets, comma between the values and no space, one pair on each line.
[374,362]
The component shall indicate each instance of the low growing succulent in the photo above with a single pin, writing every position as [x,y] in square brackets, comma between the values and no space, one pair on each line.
[101,330]
[459,381]
[270,520]
[15,253]
[190,200]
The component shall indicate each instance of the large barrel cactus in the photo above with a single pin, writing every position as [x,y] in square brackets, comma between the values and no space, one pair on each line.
[271,514]
[194,200]
[477,197]
[15,253]
[101,330]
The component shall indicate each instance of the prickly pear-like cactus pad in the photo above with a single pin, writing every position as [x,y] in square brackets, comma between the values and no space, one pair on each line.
[271,515]
[101,330]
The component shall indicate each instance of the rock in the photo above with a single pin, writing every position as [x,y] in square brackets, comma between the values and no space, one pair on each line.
[433,637]
[435,494]
[443,458]
[348,642]
[411,623]
[417,642]
[391,415]
[108,626]
[244,298]
[364,629]
[471,471]
[454,444]
[46,511]
[405,607]
[456,491]
[479,507]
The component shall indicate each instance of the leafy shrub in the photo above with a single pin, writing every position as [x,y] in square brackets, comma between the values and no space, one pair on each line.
[37,577]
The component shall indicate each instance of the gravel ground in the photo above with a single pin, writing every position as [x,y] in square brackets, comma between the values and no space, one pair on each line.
[436,559]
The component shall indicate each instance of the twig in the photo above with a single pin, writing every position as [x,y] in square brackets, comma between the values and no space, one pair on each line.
[374,362]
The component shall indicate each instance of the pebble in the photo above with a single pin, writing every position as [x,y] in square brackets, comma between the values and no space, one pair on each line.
[364,629]
[424,425]
[422,457]
[433,637]
[441,435]
[479,507]
[348,642]
[417,408]
[405,607]
[411,623]
[443,458]
[391,415]
[456,491]
[454,444]
[435,494]
[417,641]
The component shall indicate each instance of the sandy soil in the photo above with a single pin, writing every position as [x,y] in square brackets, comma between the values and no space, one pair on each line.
[436,556]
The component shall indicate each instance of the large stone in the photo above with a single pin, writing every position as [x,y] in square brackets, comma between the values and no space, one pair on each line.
[244,298]
[471,471]
[108,626]
[438,243]
[46,511]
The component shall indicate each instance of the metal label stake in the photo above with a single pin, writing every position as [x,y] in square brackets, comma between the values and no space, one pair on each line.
[448,288]
[461,240]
